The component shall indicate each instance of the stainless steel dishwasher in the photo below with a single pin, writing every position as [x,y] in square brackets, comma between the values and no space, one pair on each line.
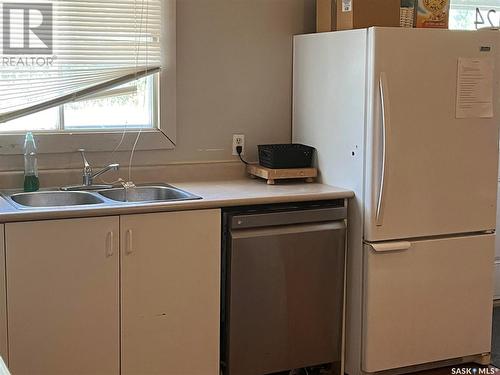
[282,287]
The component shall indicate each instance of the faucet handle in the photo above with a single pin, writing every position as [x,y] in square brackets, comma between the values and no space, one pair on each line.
[87,169]
[85,162]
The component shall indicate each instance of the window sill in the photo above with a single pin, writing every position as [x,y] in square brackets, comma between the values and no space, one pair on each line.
[64,142]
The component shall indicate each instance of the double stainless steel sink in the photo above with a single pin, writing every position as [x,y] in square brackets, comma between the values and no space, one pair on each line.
[114,196]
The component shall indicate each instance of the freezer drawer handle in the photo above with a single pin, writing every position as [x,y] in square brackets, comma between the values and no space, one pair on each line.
[384,104]
[390,246]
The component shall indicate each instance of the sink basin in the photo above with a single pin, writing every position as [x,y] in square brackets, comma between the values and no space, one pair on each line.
[55,198]
[113,197]
[147,194]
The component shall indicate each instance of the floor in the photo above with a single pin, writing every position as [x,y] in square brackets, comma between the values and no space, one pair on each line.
[460,370]
[495,342]
[466,369]
[473,368]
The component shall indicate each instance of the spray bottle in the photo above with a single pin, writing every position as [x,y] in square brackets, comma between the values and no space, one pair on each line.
[31,182]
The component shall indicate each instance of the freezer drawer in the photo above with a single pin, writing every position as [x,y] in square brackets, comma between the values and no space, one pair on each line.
[286,297]
[427,301]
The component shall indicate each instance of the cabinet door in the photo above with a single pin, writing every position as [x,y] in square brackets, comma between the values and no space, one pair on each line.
[170,293]
[3,300]
[63,296]
[497,249]
[427,301]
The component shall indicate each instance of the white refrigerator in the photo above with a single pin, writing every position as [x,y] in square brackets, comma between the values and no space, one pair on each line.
[408,119]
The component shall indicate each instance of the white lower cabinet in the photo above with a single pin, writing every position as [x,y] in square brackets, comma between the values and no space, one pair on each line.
[496,294]
[170,277]
[70,307]
[3,299]
[63,296]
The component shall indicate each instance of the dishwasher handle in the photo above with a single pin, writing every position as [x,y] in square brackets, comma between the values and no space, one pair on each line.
[284,230]
[243,221]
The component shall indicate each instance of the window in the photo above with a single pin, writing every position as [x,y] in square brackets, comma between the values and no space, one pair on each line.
[465,13]
[130,106]
[82,70]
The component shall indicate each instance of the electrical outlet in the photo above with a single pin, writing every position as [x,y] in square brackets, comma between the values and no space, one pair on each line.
[238,140]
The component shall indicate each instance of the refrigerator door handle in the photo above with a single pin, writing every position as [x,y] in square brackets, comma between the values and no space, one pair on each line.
[390,246]
[384,107]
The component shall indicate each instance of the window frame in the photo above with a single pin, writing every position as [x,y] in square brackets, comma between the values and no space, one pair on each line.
[163,137]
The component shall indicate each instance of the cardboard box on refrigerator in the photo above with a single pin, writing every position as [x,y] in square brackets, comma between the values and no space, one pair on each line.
[325,16]
[356,14]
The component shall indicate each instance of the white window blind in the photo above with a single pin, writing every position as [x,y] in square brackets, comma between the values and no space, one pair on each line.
[96,45]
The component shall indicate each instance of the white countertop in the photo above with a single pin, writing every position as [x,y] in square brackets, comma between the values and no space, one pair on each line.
[215,194]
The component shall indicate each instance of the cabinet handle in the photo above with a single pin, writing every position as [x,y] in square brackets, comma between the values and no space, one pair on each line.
[109,244]
[129,248]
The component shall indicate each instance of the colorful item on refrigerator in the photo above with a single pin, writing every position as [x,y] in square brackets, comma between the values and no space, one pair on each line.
[433,13]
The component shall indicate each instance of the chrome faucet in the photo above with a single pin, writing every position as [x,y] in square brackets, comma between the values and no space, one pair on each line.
[88,175]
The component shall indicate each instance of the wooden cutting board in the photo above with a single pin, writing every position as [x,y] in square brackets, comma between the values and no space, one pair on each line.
[271,175]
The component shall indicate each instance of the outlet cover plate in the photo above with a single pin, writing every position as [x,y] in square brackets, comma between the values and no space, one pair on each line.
[238,140]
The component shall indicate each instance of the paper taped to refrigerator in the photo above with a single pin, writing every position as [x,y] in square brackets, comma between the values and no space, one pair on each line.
[475,88]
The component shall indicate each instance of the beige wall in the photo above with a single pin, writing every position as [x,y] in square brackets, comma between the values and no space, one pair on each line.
[234,75]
